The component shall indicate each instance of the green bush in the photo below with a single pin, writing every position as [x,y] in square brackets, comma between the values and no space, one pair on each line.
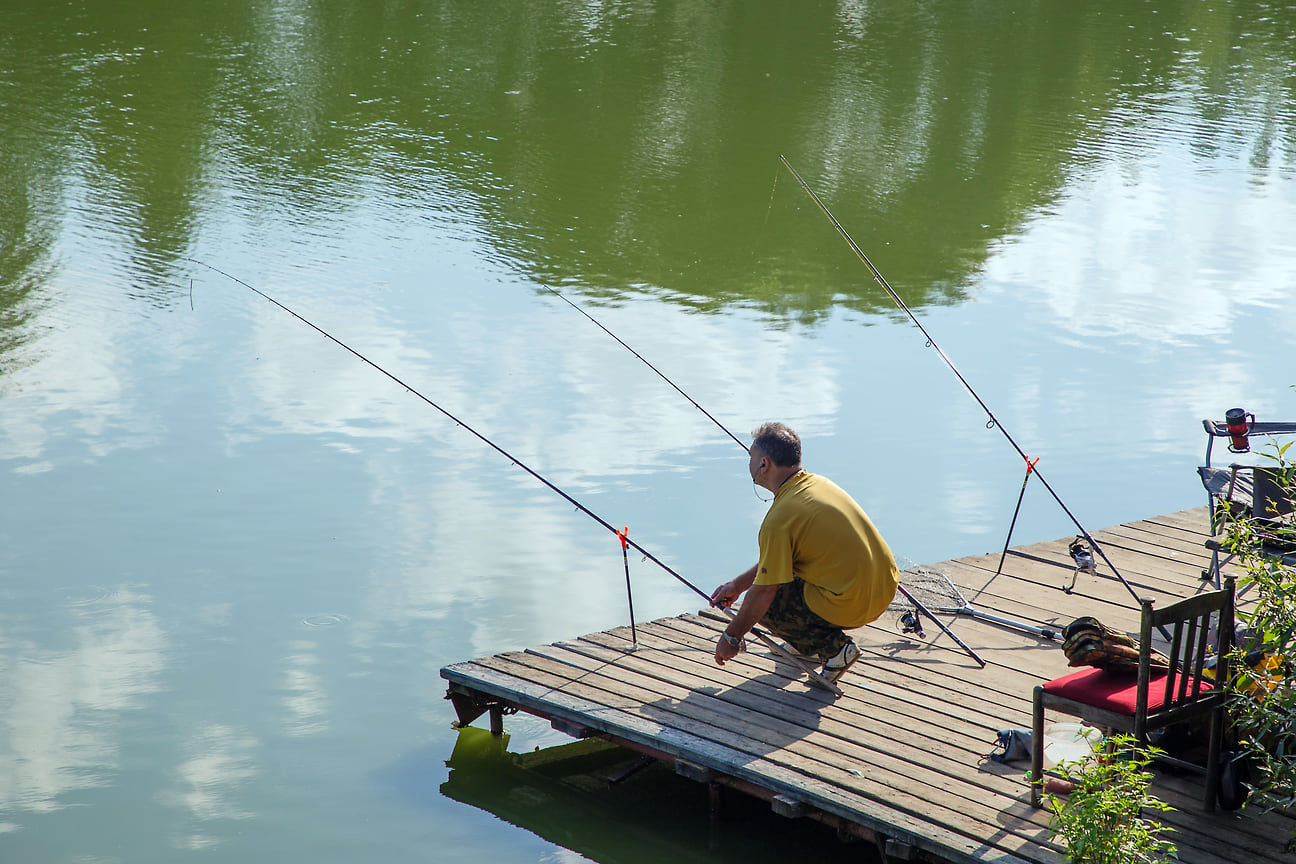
[1102,820]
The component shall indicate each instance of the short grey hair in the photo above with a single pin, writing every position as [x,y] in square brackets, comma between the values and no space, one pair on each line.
[779,443]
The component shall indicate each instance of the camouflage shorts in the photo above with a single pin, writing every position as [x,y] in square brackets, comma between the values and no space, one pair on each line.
[790,618]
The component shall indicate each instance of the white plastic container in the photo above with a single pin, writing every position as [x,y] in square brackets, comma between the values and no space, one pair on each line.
[1069,742]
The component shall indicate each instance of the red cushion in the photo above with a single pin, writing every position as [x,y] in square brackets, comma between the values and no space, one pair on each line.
[1117,691]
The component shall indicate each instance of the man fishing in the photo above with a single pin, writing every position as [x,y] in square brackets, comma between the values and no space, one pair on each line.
[823,566]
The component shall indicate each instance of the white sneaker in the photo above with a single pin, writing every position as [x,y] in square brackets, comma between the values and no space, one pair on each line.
[835,666]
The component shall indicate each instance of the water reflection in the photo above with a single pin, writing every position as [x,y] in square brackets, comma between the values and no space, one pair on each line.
[650,815]
[640,154]
[1095,261]
[494,357]
[305,697]
[221,760]
[78,367]
[64,705]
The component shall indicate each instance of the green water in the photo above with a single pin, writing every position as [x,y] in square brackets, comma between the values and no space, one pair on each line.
[233,556]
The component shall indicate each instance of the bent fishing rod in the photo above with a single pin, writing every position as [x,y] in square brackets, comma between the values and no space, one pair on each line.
[994,421]
[623,536]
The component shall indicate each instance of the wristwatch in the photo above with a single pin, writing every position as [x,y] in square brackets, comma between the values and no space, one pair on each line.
[734,641]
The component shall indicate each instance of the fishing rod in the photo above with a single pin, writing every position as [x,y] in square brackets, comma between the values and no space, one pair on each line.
[910,597]
[623,536]
[994,421]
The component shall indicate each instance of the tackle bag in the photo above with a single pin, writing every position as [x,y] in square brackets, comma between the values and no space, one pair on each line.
[1012,745]
[1089,642]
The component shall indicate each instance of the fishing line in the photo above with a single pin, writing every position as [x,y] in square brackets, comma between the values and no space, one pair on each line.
[994,421]
[770,207]
[622,536]
[599,324]
[660,374]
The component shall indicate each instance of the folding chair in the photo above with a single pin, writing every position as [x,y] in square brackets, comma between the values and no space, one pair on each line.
[1250,492]
[1153,698]
[1266,505]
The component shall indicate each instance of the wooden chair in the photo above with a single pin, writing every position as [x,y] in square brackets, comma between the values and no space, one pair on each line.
[1153,698]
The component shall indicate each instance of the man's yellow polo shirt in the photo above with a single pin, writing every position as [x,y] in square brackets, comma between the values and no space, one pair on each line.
[816,531]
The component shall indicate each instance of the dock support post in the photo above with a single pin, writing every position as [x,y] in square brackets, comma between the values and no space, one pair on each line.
[469,705]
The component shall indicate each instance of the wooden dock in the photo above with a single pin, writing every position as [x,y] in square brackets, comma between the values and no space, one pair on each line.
[900,759]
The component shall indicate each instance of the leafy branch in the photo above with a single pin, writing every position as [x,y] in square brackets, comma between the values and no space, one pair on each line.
[1263,705]
[1102,819]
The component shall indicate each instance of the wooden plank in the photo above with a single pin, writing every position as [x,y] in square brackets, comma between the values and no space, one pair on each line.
[918,682]
[1100,595]
[1192,521]
[1024,689]
[1173,545]
[1040,585]
[871,723]
[1019,599]
[1144,574]
[1230,836]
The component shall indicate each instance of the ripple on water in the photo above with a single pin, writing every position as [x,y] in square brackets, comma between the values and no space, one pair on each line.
[329,620]
[89,596]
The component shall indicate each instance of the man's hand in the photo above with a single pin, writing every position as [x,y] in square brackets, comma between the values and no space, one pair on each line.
[724,596]
[724,651]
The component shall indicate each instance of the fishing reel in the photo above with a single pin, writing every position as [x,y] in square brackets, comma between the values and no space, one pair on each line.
[1083,557]
[910,622]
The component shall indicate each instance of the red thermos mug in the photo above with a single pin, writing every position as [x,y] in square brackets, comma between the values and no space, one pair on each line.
[1239,426]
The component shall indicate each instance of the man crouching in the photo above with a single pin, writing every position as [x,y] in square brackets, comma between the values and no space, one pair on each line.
[823,566]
